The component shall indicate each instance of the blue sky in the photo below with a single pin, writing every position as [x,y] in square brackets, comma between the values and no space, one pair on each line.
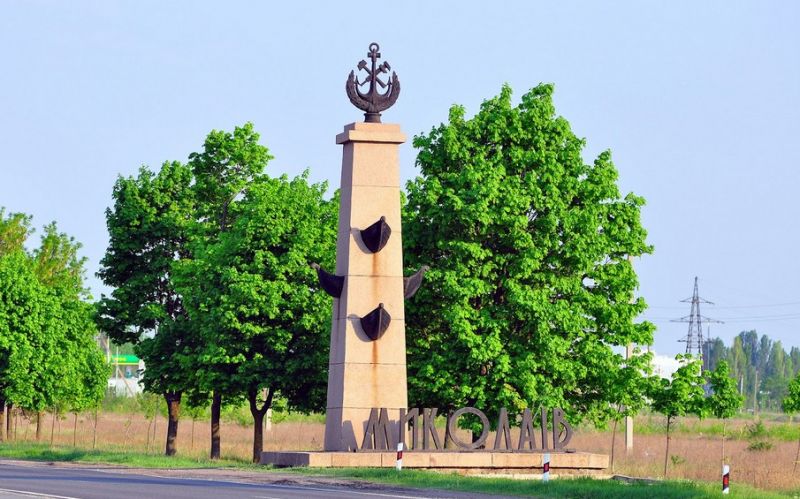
[698,101]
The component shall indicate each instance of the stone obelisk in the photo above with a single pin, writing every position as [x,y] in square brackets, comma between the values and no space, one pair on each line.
[367,367]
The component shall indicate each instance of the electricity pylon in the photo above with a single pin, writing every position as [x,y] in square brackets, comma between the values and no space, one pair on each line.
[695,342]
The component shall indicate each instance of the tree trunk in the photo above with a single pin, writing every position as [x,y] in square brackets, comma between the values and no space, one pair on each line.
[38,426]
[666,453]
[723,442]
[174,410]
[149,433]
[797,456]
[2,419]
[53,426]
[155,425]
[613,441]
[258,420]
[9,421]
[75,431]
[216,406]
[94,430]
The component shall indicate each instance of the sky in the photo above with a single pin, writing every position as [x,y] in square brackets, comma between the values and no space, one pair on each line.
[699,103]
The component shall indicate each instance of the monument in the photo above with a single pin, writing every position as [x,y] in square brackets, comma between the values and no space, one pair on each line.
[367,406]
[367,365]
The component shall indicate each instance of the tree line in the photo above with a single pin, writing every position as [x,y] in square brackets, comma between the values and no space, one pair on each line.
[49,359]
[530,290]
[761,366]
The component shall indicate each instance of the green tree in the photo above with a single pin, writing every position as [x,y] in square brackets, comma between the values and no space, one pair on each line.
[48,357]
[724,401]
[148,230]
[70,371]
[791,405]
[227,165]
[21,309]
[681,395]
[262,315]
[530,284]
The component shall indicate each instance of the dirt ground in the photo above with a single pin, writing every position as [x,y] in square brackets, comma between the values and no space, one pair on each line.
[692,456]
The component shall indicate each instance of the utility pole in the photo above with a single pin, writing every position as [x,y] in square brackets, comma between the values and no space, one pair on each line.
[755,395]
[695,344]
[629,419]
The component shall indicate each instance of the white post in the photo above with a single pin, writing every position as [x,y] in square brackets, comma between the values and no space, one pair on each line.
[726,479]
[546,467]
[399,464]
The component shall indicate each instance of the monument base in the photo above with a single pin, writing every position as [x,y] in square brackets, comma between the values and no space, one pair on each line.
[566,463]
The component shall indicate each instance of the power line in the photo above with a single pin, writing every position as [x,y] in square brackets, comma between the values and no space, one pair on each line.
[732,307]
[743,318]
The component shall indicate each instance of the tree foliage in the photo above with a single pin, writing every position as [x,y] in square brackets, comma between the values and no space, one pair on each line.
[681,395]
[761,366]
[265,325]
[724,401]
[48,355]
[148,230]
[530,287]
[791,403]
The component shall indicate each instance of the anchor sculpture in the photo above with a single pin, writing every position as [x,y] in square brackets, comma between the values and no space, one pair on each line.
[372,101]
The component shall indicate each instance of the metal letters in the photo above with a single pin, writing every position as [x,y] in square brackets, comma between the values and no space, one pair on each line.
[377,436]
[451,428]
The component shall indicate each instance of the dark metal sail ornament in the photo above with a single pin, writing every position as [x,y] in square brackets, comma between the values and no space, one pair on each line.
[372,102]
[376,322]
[331,284]
[412,283]
[376,235]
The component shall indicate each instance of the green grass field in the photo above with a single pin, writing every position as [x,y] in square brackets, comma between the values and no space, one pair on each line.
[566,488]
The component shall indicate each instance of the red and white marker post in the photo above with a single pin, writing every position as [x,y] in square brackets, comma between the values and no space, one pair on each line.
[399,463]
[726,479]
[546,467]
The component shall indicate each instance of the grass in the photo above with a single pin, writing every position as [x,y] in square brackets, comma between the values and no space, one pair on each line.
[572,488]
[564,487]
[737,429]
[31,451]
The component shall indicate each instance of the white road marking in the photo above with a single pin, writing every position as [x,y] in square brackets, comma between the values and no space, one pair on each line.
[36,494]
[341,490]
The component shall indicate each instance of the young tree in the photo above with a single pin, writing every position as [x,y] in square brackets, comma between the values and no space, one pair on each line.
[681,395]
[791,404]
[148,230]
[228,164]
[71,369]
[530,284]
[628,401]
[263,319]
[724,400]
[21,308]
[18,308]
[48,358]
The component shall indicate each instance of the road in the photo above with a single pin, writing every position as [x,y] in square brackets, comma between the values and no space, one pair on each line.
[26,480]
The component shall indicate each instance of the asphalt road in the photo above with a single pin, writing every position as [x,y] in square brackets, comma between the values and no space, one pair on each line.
[41,480]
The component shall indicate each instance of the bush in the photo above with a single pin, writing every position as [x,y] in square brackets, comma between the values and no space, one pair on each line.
[760,445]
